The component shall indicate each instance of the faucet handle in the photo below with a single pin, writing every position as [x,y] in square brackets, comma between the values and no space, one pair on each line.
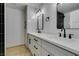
[70,36]
[59,34]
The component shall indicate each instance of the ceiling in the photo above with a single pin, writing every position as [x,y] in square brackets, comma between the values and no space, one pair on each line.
[68,7]
[22,5]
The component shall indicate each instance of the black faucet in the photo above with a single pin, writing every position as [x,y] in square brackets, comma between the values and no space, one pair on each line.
[64,33]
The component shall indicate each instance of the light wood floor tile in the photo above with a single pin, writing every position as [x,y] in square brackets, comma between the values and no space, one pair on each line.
[18,51]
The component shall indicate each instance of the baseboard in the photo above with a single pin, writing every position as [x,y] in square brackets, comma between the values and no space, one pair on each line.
[15,46]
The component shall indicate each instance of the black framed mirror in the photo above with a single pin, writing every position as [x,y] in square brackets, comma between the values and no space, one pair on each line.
[60,19]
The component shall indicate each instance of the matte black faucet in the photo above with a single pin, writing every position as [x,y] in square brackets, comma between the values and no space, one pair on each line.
[64,33]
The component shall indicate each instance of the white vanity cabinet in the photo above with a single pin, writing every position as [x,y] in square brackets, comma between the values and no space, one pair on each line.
[45,52]
[30,43]
[40,47]
[55,50]
[34,44]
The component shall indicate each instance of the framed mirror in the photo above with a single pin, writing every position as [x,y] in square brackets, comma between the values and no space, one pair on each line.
[40,22]
[60,20]
[70,12]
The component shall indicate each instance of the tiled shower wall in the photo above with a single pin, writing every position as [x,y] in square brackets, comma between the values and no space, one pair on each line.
[1,29]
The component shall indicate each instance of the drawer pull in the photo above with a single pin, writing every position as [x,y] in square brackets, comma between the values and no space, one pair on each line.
[35,39]
[35,47]
[29,41]
[34,54]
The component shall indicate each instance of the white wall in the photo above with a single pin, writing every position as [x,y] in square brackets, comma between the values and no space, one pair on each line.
[50,11]
[14,27]
[31,20]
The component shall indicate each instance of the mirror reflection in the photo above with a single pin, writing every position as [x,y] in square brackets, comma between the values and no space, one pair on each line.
[69,15]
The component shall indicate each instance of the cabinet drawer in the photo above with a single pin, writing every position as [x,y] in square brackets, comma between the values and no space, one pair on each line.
[37,49]
[37,40]
[34,39]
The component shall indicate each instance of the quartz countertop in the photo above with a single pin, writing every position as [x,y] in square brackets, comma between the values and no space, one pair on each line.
[66,43]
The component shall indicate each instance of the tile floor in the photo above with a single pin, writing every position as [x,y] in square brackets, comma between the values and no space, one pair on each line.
[18,51]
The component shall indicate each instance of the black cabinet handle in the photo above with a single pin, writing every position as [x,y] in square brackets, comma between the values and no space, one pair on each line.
[34,54]
[35,47]
[49,55]
[35,39]
[29,41]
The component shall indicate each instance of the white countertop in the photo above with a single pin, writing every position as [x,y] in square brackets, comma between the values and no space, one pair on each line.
[68,44]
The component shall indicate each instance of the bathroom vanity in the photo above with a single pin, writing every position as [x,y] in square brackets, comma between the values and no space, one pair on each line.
[43,35]
[40,45]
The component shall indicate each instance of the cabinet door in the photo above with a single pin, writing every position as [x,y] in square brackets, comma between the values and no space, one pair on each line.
[47,46]
[30,43]
[37,45]
[60,51]
[34,47]
[37,48]
[55,50]
[45,53]
[34,53]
